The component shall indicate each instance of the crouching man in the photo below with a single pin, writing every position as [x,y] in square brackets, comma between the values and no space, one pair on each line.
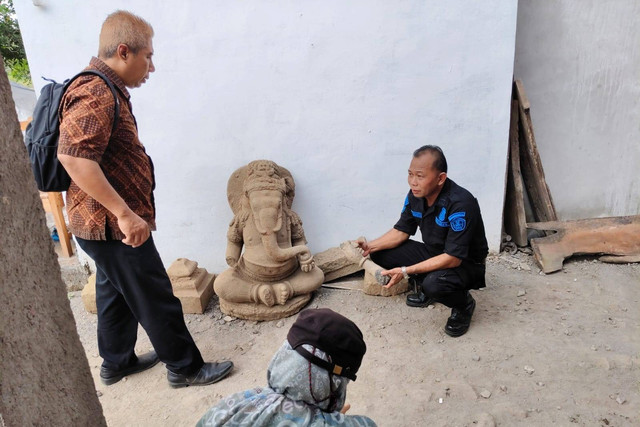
[451,258]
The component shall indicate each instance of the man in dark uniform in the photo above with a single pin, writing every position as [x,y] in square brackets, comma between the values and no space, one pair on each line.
[451,259]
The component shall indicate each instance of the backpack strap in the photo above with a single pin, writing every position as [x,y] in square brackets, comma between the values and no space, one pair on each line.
[68,82]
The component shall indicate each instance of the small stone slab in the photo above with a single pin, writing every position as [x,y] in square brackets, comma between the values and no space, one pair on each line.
[372,287]
[334,264]
[251,311]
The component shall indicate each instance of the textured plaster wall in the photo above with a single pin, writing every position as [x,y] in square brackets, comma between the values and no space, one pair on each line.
[44,373]
[580,64]
[340,93]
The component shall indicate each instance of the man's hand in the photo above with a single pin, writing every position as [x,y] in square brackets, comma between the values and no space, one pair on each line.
[345,408]
[135,229]
[395,274]
[364,245]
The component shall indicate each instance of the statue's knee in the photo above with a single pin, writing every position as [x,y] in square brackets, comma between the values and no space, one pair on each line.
[318,275]
[221,284]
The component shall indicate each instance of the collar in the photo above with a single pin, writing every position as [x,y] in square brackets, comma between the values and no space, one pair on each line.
[442,198]
[99,65]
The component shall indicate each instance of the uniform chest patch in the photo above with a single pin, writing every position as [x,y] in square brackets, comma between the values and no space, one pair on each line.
[458,221]
[441,219]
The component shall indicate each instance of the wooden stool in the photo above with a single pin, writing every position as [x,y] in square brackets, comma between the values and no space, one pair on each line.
[52,202]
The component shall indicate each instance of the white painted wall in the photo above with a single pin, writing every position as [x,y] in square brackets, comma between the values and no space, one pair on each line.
[340,93]
[580,64]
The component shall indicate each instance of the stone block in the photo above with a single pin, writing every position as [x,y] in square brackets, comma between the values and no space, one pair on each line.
[371,286]
[89,295]
[335,264]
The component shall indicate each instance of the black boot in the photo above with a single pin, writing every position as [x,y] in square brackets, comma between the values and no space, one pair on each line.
[417,298]
[458,323]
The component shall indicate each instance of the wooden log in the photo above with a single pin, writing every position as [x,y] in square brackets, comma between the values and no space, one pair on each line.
[613,236]
[515,222]
[531,164]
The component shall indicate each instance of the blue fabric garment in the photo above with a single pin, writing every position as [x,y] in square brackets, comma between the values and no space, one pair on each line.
[297,395]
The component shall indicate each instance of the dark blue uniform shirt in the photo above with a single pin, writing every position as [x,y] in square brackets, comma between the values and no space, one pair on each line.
[452,225]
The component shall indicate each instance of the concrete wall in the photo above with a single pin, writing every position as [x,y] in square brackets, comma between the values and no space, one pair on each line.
[340,93]
[580,64]
[44,373]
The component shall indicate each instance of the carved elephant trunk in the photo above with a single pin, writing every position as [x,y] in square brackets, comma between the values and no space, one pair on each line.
[270,244]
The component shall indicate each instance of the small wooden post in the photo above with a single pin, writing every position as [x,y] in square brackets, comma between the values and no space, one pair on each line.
[56,204]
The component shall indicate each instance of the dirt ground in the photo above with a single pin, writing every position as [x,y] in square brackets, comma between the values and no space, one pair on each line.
[558,349]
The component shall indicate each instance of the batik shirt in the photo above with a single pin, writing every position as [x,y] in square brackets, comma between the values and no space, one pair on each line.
[452,225]
[87,111]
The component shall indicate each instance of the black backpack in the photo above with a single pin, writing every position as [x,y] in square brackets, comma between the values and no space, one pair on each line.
[41,135]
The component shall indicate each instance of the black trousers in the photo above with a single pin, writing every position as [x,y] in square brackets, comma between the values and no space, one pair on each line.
[448,286]
[133,287]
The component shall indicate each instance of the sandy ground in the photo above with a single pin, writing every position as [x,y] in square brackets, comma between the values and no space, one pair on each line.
[558,349]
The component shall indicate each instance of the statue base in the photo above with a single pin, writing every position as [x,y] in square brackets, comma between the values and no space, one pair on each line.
[252,311]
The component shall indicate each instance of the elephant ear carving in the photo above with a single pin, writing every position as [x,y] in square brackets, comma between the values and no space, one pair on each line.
[235,192]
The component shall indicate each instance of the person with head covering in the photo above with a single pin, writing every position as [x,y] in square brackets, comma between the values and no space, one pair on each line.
[307,378]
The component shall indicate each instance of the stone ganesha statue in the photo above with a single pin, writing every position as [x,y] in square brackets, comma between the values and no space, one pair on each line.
[276,274]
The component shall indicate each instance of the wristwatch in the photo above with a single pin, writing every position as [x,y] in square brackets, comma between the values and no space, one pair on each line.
[404,272]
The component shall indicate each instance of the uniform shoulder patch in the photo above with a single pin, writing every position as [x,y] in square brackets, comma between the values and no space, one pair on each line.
[441,219]
[458,221]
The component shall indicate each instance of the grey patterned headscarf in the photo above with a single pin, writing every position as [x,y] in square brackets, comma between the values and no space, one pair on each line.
[299,394]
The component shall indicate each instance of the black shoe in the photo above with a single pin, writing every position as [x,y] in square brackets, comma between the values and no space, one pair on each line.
[458,324]
[209,373]
[146,361]
[418,300]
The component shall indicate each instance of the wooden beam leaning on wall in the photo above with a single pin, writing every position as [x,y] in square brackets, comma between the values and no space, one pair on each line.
[531,164]
[515,221]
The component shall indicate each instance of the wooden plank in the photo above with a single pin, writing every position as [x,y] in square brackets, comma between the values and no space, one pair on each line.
[56,204]
[613,236]
[531,164]
[522,95]
[515,222]
[614,259]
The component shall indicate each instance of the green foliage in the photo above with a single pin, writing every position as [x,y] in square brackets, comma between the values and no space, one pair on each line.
[11,46]
[18,71]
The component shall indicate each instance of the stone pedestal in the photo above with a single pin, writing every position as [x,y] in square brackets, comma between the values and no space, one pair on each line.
[193,286]
[262,312]
[89,295]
